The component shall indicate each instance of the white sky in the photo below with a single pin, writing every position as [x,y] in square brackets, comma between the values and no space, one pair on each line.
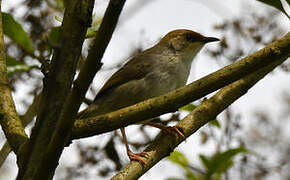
[158,18]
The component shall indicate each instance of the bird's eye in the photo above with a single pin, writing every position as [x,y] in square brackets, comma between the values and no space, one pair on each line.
[190,38]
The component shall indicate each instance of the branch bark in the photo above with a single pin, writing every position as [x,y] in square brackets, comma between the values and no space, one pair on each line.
[26,119]
[85,77]
[277,51]
[56,84]
[9,120]
[164,144]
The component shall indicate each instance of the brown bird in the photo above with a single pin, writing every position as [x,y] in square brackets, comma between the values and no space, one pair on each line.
[154,72]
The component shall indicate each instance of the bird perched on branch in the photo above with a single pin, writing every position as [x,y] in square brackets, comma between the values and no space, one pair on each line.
[154,72]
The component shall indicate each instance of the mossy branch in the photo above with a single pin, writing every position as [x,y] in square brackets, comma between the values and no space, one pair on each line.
[9,120]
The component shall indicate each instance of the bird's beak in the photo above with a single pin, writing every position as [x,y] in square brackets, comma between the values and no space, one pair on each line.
[209,39]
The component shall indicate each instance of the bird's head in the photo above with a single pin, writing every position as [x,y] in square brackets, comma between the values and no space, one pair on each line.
[186,41]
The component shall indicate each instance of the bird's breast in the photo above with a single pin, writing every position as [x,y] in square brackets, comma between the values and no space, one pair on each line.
[166,77]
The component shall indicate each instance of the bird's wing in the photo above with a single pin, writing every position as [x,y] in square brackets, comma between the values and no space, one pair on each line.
[134,69]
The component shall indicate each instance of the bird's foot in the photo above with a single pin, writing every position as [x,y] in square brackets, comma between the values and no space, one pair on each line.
[137,156]
[169,129]
[174,130]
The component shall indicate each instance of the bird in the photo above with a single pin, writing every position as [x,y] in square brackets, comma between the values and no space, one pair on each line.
[151,73]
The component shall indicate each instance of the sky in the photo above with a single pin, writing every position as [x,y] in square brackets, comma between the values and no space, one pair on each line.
[145,25]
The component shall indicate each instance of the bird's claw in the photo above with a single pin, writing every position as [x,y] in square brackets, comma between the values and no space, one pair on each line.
[137,156]
[169,129]
[175,130]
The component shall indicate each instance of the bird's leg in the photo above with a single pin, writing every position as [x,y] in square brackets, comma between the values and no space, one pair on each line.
[169,129]
[132,156]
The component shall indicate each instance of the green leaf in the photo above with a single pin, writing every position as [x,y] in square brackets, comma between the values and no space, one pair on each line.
[173,178]
[188,107]
[221,162]
[92,31]
[205,161]
[276,4]
[189,175]
[16,33]
[14,66]
[54,35]
[215,123]
[58,19]
[56,4]
[59,4]
[10,61]
[178,158]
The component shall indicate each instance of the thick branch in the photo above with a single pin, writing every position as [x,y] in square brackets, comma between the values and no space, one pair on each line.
[57,84]
[164,144]
[277,51]
[26,119]
[86,75]
[9,120]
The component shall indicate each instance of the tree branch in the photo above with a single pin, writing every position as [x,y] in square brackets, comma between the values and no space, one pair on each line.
[57,84]
[9,120]
[85,77]
[25,119]
[164,144]
[277,51]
